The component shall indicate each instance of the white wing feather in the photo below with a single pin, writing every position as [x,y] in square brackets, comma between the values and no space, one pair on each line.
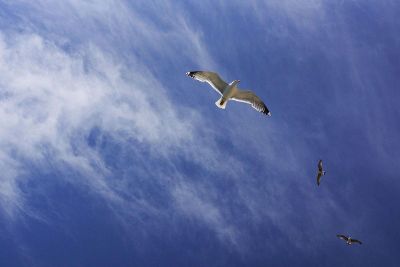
[211,78]
[250,98]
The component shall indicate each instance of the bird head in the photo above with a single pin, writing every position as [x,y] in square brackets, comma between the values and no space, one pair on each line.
[235,82]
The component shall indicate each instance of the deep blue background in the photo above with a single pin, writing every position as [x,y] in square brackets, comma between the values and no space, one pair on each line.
[327,70]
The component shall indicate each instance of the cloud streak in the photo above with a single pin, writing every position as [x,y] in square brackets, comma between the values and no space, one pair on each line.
[60,103]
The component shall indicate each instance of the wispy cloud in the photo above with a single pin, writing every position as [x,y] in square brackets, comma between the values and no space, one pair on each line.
[55,96]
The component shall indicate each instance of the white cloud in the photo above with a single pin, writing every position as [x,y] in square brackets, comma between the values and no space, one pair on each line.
[52,100]
[196,202]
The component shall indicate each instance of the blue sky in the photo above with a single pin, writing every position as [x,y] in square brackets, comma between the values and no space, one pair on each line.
[111,156]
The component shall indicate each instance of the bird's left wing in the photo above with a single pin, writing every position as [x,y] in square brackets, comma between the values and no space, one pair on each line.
[319,178]
[211,78]
[250,98]
[356,241]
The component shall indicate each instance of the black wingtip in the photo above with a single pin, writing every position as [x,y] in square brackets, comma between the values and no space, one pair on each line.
[267,112]
[191,73]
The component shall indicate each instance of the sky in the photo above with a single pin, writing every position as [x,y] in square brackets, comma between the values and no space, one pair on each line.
[111,156]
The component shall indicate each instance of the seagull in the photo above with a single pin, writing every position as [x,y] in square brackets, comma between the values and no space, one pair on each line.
[321,172]
[229,91]
[349,240]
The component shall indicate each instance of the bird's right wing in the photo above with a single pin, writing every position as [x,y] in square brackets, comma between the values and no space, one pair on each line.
[211,78]
[250,98]
[356,241]
[342,237]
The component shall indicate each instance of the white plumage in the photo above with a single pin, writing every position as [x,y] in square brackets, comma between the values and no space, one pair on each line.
[229,91]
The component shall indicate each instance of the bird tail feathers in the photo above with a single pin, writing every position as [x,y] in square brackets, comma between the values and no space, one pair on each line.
[221,103]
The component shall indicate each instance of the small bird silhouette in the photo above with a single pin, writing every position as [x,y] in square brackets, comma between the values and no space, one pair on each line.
[349,240]
[321,172]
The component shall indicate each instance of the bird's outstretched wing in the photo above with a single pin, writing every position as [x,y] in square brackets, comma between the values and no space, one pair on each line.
[342,237]
[320,165]
[319,178]
[211,78]
[250,98]
[356,241]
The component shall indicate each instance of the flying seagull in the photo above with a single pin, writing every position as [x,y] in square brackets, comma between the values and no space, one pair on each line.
[229,91]
[321,172]
[349,240]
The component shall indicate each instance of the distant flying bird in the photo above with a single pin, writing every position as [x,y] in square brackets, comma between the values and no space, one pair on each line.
[321,172]
[349,240]
[229,91]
